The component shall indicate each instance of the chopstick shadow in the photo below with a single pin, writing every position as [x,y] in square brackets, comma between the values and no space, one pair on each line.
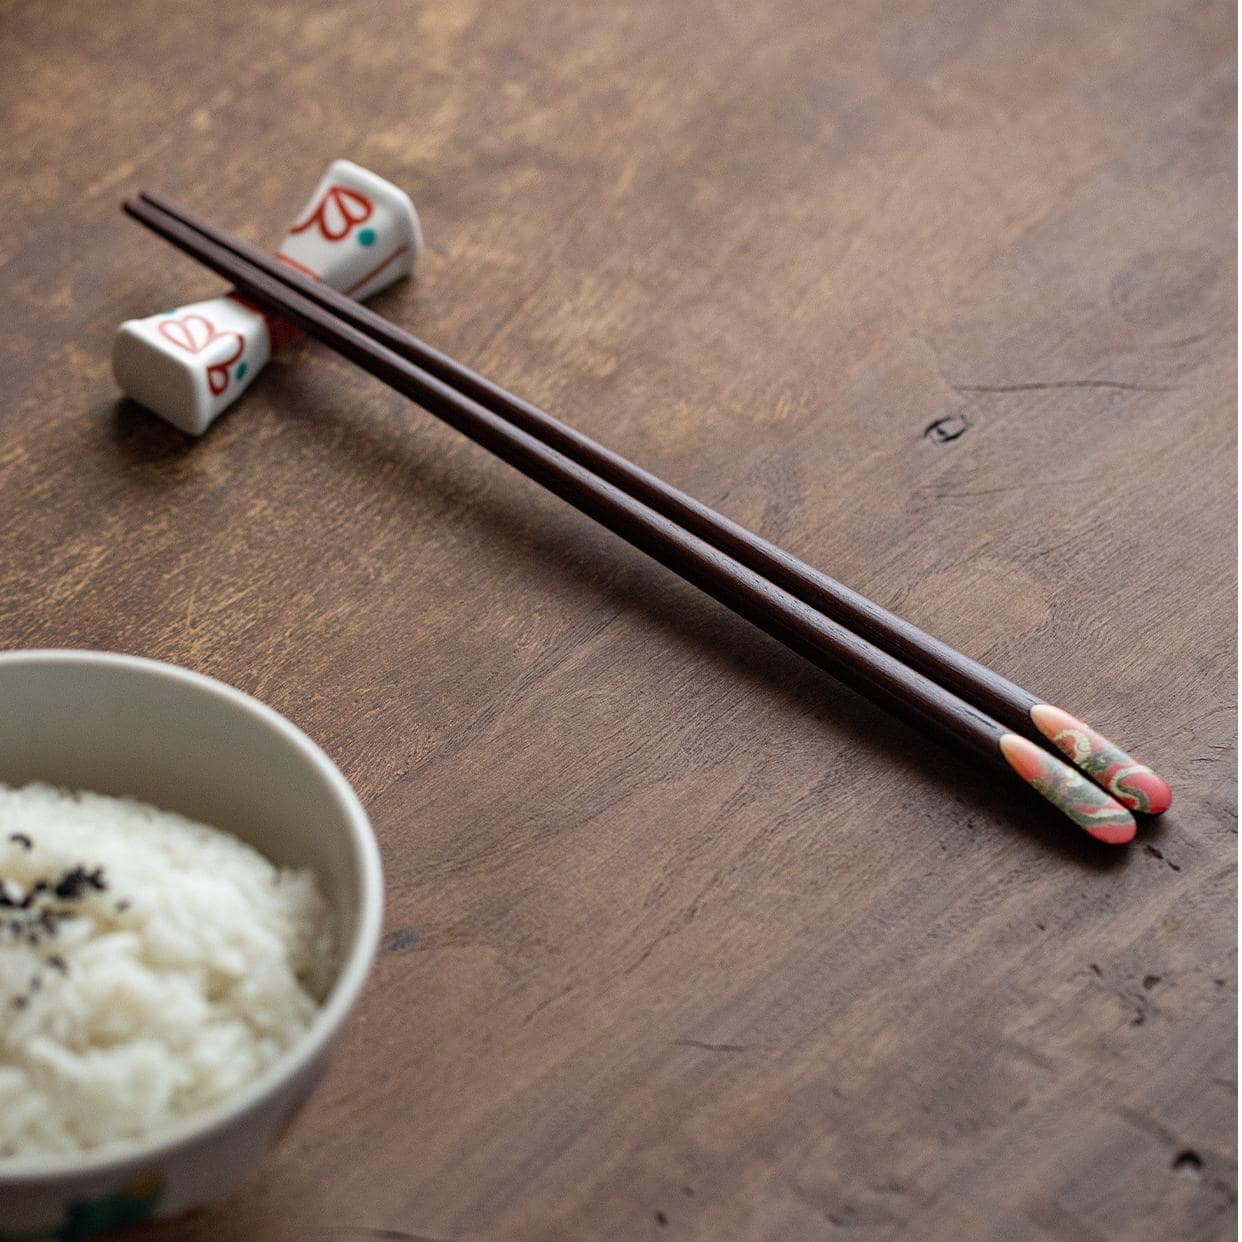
[686,617]
[397,452]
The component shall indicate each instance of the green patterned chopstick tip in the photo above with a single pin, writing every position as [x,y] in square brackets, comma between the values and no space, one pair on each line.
[1133,784]
[1069,791]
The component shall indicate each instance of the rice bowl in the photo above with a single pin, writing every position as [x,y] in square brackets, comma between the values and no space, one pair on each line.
[134,728]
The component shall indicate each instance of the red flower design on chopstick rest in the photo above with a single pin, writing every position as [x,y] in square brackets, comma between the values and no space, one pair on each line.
[194,333]
[337,213]
[1133,784]
[1069,791]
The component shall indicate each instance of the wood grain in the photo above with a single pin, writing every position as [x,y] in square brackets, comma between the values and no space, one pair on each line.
[684,940]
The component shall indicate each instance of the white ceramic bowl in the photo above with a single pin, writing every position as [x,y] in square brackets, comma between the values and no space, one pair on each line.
[121,725]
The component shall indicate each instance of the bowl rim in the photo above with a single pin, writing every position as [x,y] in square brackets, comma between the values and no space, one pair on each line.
[358,956]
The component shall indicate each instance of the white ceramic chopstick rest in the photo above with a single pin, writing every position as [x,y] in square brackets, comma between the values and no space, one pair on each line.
[358,233]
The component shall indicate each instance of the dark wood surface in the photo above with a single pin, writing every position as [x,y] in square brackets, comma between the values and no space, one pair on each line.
[682,939]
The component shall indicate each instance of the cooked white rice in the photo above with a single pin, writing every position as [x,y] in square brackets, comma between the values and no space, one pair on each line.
[150,989]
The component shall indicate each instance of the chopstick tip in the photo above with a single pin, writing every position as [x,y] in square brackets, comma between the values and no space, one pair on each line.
[1114,832]
[1090,807]
[1133,784]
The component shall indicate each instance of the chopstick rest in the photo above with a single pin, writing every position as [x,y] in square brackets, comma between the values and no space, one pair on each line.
[358,233]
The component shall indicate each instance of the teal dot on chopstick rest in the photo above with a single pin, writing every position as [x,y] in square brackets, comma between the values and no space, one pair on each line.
[240,373]
[366,237]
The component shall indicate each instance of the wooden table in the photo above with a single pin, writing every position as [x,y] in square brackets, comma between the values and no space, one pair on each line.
[682,939]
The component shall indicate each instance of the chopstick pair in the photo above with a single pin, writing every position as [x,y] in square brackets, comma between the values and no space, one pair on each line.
[887,659]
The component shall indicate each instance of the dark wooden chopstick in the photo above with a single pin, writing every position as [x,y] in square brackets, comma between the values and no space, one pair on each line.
[802,627]
[1132,783]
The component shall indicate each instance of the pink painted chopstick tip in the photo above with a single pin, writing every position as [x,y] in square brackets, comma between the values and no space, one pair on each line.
[1089,806]
[1133,784]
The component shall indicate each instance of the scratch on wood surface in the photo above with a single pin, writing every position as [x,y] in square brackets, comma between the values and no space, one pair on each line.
[382,1235]
[1077,383]
[706,1046]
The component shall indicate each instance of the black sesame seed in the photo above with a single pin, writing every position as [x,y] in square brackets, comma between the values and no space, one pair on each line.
[20,1002]
[70,885]
[56,962]
[20,838]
